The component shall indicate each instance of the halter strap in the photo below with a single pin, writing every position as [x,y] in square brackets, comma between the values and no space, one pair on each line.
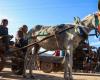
[97,24]
[80,28]
[97,21]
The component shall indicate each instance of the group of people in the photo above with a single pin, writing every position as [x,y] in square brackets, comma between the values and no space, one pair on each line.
[90,61]
[20,40]
[86,58]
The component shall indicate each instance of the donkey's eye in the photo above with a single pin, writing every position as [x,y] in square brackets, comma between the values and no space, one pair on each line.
[98,14]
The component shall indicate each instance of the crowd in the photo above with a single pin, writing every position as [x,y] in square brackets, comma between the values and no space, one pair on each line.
[86,59]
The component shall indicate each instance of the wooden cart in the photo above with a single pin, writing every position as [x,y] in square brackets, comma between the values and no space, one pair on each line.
[51,63]
[6,57]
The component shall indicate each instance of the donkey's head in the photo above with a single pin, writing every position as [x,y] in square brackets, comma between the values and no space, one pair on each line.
[92,21]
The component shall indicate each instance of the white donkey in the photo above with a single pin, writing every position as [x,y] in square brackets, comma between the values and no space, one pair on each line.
[68,40]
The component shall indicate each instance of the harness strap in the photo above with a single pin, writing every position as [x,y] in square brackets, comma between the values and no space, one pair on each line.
[97,21]
[56,37]
[43,33]
[97,24]
[81,31]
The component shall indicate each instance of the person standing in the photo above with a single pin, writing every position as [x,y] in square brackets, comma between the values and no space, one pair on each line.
[24,30]
[21,39]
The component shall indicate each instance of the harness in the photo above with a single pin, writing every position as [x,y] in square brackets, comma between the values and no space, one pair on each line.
[45,33]
[97,24]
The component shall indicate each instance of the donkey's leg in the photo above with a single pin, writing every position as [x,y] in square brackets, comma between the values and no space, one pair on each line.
[66,66]
[33,58]
[70,67]
[70,62]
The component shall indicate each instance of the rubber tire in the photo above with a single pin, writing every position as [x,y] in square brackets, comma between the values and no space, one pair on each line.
[46,67]
[17,66]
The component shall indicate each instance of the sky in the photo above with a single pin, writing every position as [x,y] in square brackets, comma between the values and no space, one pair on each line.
[45,12]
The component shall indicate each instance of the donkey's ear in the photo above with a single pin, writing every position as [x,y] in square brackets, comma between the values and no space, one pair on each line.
[77,20]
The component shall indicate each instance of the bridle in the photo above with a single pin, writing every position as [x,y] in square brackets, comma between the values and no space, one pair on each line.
[97,24]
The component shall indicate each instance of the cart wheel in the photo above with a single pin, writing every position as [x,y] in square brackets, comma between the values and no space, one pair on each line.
[46,67]
[17,67]
[97,69]
[2,62]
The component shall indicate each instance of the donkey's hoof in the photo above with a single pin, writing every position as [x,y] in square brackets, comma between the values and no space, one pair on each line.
[66,78]
[32,77]
[71,78]
[24,76]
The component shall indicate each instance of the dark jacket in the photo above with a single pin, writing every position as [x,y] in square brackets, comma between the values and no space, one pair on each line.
[3,30]
[4,33]
[20,41]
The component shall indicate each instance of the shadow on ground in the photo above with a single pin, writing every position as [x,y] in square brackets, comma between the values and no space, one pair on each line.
[7,75]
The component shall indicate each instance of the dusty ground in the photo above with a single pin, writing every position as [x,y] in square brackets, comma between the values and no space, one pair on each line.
[6,74]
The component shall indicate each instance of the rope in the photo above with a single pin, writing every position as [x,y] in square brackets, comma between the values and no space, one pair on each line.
[57,43]
[42,52]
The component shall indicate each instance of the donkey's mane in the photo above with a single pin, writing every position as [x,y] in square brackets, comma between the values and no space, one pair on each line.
[86,17]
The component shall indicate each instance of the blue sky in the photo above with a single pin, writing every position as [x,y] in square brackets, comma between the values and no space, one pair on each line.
[45,12]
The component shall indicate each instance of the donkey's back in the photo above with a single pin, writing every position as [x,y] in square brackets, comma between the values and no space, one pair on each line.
[59,41]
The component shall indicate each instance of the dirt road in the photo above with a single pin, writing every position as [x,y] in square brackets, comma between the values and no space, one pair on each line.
[6,74]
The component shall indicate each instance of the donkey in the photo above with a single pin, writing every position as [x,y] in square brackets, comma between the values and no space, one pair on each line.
[67,41]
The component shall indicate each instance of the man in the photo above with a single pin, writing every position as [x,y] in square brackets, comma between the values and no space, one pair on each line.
[3,27]
[21,37]
[4,34]
[24,30]
[21,40]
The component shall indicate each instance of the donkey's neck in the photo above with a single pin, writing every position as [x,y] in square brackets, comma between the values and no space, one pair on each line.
[86,29]
[87,25]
